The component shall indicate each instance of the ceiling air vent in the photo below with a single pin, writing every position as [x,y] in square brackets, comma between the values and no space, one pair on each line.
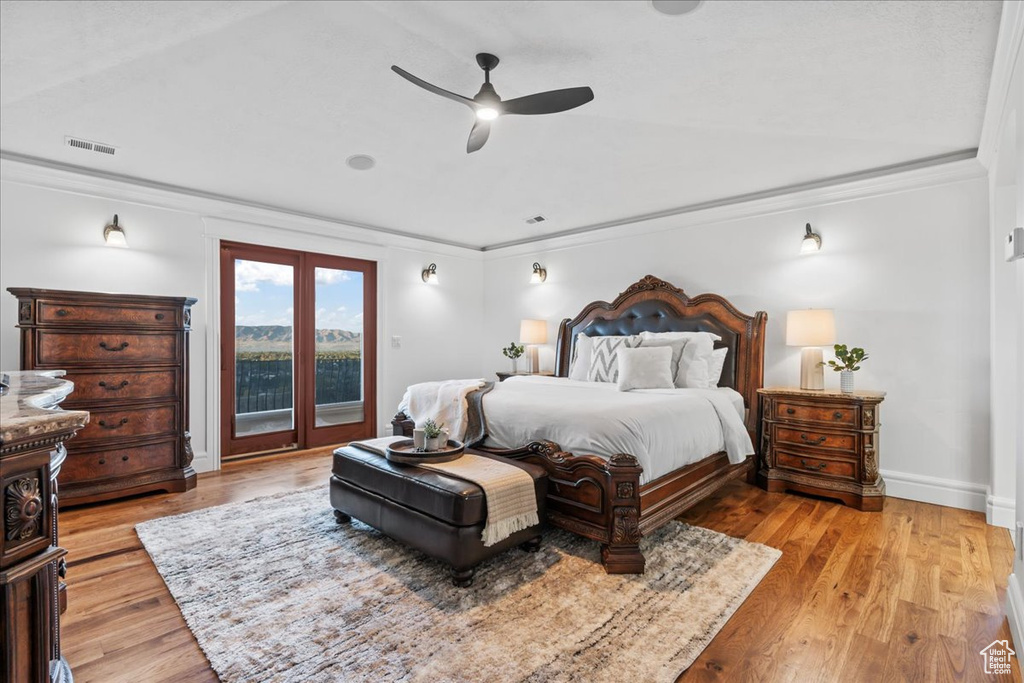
[535,219]
[89,146]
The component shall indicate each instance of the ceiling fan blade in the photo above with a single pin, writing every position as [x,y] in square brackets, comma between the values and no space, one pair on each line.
[478,136]
[433,88]
[548,102]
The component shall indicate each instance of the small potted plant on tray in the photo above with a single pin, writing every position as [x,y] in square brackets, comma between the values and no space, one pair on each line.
[432,433]
[847,362]
[513,351]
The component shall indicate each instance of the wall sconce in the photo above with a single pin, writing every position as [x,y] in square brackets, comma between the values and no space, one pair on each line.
[430,274]
[114,235]
[539,275]
[811,242]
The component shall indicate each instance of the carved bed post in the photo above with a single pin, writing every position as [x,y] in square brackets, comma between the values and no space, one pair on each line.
[622,554]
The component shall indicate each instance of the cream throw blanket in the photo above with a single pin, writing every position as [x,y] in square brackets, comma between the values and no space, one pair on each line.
[509,497]
[444,402]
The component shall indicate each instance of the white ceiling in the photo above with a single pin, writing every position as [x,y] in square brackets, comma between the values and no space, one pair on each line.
[264,101]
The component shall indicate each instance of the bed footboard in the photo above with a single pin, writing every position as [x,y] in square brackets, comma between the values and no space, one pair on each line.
[594,497]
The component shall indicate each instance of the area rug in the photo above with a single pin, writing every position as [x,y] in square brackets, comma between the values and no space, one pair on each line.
[274,590]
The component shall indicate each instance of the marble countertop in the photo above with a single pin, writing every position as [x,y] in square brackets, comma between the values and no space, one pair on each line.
[30,408]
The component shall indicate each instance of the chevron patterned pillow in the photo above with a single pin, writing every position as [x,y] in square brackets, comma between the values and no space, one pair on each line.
[604,362]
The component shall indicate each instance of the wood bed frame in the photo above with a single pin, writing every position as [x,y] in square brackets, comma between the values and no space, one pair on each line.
[601,498]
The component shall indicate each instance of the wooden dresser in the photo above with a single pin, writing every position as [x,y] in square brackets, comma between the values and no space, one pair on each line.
[128,358]
[822,443]
[32,432]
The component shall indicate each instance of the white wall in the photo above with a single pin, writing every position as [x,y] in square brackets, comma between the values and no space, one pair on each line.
[52,238]
[907,274]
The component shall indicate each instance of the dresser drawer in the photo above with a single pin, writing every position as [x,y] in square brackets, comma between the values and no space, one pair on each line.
[845,442]
[118,462]
[115,348]
[119,423]
[51,313]
[835,415]
[810,465]
[117,386]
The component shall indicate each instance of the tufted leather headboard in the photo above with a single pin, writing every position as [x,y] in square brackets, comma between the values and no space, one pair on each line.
[654,305]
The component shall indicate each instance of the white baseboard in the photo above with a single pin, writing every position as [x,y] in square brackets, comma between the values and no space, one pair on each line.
[1015,610]
[202,462]
[925,489]
[1000,511]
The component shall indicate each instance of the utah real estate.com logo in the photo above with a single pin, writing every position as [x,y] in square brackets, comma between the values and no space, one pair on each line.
[997,657]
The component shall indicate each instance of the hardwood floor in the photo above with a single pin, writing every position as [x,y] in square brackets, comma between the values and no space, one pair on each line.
[910,593]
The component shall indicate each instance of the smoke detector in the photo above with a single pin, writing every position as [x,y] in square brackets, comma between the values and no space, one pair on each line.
[361,162]
[675,8]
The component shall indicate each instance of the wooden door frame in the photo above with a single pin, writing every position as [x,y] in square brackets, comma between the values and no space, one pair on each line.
[310,435]
[304,433]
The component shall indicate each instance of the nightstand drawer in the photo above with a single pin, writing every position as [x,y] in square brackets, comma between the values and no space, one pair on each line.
[839,441]
[809,465]
[823,414]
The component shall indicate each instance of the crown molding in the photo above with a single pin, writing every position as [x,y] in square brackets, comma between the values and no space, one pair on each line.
[37,172]
[930,172]
[1004,64]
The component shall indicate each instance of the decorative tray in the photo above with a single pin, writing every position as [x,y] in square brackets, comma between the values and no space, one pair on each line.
[405,453]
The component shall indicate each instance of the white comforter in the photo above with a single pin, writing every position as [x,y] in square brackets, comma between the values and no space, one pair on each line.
[665,429]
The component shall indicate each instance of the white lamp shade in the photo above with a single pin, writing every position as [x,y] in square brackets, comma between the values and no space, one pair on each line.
[811,327]
[533,331]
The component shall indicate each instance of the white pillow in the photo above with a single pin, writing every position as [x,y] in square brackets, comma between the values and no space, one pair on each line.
[675,344]
[716,365]
[582,353]
[604,363]
[694,371]
[645,368]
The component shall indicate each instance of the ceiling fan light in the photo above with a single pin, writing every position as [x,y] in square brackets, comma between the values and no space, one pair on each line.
[487,113]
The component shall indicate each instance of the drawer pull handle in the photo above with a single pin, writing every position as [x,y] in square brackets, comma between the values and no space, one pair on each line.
[838,415]
[159,316]
[789,411]
[819,440]
[122,347]
[117,387]
[819,466]
[103,461]
[61,312]
[124,421]
[124,458]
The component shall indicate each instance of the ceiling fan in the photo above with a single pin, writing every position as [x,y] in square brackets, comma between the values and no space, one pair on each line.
[488,106]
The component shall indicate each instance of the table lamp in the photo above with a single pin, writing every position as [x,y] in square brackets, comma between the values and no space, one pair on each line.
[531,333]
[811,329]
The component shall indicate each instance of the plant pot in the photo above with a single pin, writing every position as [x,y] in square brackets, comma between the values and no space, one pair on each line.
[432,443]
[846,381]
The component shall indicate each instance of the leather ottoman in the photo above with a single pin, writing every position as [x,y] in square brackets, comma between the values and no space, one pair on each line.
[437,514]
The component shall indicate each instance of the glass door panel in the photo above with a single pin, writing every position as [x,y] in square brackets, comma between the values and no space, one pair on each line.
[264,347]
[338,347]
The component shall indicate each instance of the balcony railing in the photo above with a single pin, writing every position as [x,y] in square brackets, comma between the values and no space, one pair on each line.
[264,385]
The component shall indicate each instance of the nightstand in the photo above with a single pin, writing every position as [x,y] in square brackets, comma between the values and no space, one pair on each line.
[823,443]
[502,376]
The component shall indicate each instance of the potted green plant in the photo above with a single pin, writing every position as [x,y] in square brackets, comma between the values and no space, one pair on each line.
[847,362]
[513,351]
[432,433]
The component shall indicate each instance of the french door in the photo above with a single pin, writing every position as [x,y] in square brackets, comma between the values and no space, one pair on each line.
[298,349]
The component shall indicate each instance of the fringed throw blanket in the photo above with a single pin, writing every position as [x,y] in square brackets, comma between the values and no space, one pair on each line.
[509,496]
